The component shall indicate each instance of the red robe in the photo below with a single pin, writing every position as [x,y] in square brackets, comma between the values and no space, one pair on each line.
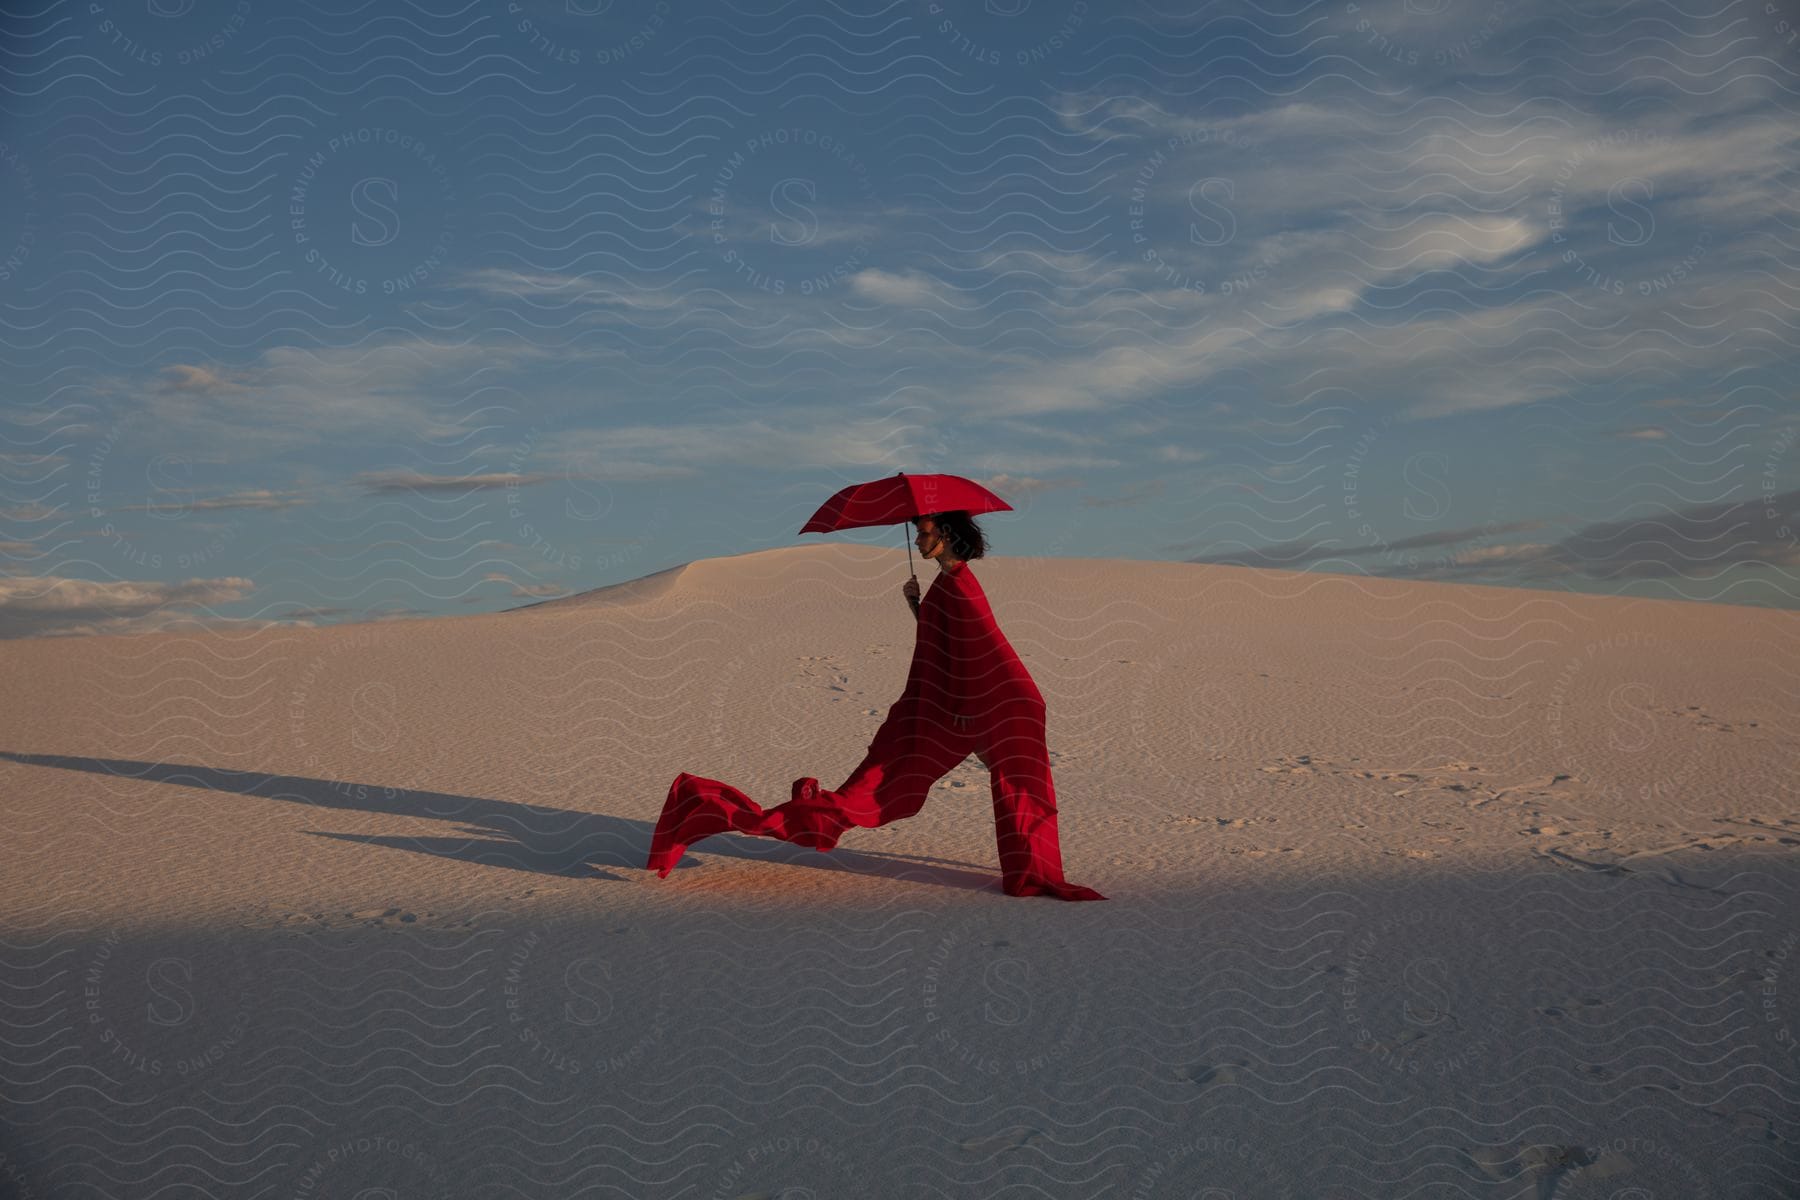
[963,667]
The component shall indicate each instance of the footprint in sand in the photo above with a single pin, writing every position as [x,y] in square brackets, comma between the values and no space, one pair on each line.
[382,918]
[1458,778]
[1706,720]
[1517,792]
[1496,1162]
[1207,1074]
[1663,873]
[1399,1041]
[1712,841]
[1546,1163]
[828,667]
[1586,864]
[1014,1138]
[1223,822]
[296,920]
[1570,1006]
[1772,824]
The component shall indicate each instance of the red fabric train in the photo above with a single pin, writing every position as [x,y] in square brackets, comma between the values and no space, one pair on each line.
[962,667]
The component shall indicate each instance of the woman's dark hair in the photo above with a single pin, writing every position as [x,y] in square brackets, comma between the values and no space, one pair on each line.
[959,528]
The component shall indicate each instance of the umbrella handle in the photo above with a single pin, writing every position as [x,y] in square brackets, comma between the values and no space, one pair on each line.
[910,571]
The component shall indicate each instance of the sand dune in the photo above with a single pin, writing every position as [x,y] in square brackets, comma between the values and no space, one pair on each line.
[1505,879]
[632,591]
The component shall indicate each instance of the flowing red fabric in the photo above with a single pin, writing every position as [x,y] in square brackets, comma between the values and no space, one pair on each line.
[962,665]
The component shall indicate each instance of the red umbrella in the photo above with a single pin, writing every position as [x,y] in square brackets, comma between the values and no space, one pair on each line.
[900,498]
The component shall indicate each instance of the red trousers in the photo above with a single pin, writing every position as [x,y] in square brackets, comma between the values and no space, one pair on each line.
[909,754]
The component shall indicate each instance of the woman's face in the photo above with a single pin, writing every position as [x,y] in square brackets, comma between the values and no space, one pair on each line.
[929,543]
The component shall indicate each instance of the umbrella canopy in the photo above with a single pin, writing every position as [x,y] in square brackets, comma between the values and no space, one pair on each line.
[901,497]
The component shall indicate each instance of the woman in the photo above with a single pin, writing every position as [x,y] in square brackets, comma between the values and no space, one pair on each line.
[967,692]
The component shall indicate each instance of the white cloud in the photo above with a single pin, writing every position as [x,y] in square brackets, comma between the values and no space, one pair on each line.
[1005,484]
[1519,551]
[1179,454]
[1004,464]
[574,289]
[785,439]
[49,605]
[417,481]
[259,498]
[907,288]
[1438,242]
[293,398]
[185,377]
[1334,209]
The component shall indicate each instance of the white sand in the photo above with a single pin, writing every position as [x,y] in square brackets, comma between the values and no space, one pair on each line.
[1413,887]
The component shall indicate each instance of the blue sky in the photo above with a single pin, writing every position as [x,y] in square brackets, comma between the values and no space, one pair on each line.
[375,310]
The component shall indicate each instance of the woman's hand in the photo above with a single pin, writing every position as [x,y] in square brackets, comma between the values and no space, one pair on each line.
[910,589]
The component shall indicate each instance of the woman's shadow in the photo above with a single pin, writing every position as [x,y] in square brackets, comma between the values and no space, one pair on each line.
[521,837]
